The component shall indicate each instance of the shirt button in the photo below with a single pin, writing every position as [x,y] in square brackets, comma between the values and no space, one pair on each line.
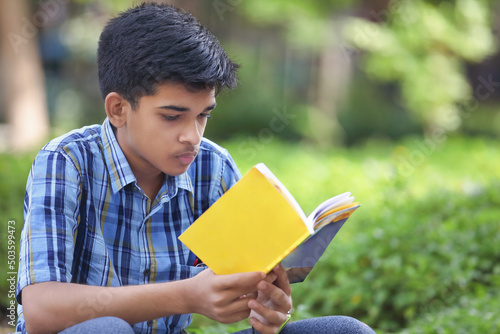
[150,323]
[147,272]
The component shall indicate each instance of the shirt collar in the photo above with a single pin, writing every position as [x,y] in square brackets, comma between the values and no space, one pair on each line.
[184,181]
[119,168]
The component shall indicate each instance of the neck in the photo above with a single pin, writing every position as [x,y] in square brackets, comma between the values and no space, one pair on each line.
[149,178]
[150,183]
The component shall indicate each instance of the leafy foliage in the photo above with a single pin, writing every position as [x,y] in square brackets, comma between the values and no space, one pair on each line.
[469,314]
[424,47]
[431,252]
[305,23]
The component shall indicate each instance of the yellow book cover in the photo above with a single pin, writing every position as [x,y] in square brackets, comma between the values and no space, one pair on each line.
[256,224]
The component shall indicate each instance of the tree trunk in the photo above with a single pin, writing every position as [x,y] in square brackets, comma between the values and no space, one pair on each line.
[22,76]
[331,78]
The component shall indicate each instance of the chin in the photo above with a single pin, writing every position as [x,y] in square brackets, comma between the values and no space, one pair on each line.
[177,171]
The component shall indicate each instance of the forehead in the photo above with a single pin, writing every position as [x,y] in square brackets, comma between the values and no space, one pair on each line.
[176,93]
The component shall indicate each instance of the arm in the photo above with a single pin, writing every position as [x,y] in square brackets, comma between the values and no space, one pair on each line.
[52,306]
[273,302]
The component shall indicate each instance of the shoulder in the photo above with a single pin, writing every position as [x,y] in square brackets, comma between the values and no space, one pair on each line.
[79,146]
[208,147]
[215,166]
[215,159]
[86,136]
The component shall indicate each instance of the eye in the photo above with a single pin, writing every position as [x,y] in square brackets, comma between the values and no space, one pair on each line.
[170,117]
[205,115]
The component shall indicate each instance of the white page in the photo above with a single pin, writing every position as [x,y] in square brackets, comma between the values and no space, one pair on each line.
[331,203]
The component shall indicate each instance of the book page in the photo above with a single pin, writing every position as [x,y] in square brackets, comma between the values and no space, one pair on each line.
[325,212]
[331,203]
[334,215]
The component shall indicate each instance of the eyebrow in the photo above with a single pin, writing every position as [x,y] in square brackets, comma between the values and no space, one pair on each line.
[181,109]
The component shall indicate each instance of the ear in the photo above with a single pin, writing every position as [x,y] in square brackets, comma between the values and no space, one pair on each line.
[117,108]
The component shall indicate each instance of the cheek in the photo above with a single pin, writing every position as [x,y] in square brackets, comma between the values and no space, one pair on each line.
[203,126]
[164,137]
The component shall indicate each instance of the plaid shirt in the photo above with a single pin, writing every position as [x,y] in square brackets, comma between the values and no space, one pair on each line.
[87,221]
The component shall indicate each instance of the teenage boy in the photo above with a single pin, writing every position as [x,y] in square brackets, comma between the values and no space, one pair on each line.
[105,204]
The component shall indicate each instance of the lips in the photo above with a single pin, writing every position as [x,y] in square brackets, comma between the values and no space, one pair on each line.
[187,158]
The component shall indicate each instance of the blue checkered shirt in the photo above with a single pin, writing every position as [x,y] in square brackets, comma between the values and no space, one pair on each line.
[88,222]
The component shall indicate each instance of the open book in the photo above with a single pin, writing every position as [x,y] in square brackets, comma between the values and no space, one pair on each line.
[257,224]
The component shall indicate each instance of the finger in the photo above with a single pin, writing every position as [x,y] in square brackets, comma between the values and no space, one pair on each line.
[237,306]
[282,279]
[234,317]
[278,297]
[271,277]
[235,311]
[240,280]
[272,317]
[251,295]
[262,328]
[237,285]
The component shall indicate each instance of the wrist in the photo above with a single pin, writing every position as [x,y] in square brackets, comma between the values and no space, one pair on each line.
[185,293]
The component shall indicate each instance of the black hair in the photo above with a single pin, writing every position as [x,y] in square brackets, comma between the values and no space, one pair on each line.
[156,43]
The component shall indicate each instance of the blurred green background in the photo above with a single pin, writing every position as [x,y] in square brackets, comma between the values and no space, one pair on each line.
[395,101]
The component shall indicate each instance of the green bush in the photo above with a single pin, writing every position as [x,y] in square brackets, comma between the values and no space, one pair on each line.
[430,252]
[469,314]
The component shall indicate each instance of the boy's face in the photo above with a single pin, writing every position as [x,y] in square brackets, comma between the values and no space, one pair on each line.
[164,133]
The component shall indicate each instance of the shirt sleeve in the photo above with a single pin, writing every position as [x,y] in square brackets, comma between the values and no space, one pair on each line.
[50,218]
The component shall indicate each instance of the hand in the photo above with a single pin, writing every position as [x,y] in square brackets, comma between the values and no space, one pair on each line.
[224,298]
[273,302]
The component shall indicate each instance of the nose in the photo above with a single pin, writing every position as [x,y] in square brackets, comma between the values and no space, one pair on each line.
[191,133]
